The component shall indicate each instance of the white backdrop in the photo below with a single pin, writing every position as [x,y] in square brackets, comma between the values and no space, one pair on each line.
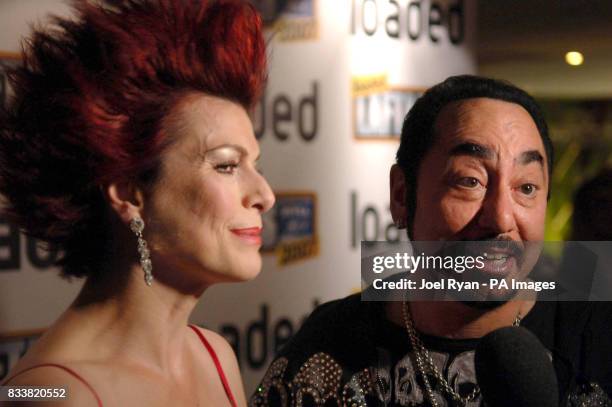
[340,83]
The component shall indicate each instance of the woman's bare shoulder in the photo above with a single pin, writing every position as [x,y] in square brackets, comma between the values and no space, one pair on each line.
[218,342]
[228,361]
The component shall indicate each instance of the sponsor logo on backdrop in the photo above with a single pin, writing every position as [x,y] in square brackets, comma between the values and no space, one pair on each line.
[378,108]
[290,228]
[370,222]
[284,119]
[36,253]
[409,20]
[12,349]
[260,339]
[290,20]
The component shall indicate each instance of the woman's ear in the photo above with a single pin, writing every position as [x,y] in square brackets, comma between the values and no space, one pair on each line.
[397,188]
[125,199]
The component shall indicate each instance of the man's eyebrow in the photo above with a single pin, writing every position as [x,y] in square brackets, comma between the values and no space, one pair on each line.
[530,156]
[472,150]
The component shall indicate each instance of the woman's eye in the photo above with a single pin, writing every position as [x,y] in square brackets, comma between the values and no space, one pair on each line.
[468,182]
[226,168]
[528,189]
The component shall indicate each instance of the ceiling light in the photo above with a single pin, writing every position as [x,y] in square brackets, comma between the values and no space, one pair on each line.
[574,58]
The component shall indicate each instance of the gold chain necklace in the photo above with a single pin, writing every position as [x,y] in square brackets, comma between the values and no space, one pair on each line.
[425,363]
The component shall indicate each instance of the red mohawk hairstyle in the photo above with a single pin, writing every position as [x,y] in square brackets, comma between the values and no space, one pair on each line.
[90,100]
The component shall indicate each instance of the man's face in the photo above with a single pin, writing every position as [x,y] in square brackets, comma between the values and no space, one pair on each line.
[485,176]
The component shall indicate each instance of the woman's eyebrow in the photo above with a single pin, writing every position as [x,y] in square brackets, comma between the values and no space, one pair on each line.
[241,150]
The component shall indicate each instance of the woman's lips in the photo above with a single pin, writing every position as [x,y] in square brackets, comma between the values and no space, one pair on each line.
[249,235]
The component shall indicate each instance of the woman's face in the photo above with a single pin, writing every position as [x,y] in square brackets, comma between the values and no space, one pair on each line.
[203,216]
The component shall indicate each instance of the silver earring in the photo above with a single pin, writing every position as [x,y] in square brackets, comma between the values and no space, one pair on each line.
[137,225]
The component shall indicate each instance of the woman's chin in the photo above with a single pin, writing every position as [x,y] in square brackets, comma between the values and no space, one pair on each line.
[252,270]
[246,269]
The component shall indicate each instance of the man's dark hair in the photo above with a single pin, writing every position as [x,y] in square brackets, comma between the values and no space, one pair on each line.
[418,128]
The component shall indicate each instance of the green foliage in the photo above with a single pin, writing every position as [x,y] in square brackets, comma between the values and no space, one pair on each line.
[582,135]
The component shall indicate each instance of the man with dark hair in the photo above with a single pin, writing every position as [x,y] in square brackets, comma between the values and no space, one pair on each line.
[418,129]
[474,164]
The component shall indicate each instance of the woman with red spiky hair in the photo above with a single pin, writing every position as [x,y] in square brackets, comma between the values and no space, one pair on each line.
[127,145]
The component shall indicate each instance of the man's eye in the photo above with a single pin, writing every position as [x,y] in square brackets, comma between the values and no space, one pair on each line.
[528,189]
[468,182]
[226,168]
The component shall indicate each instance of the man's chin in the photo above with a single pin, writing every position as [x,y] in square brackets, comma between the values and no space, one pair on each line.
[488,300]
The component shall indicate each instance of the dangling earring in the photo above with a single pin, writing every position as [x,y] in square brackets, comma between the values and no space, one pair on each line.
[137,225]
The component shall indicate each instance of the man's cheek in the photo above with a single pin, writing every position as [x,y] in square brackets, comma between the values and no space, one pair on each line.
[457,215]
[532,223]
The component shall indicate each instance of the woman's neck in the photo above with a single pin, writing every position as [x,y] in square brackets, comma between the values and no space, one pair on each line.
[126,318]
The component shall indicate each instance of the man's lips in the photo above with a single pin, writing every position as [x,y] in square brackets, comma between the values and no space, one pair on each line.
[499,264]
[498,257]
[492,249]
[251,235]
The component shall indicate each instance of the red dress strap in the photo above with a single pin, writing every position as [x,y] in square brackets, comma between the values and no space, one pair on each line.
[67,370]
[215,359]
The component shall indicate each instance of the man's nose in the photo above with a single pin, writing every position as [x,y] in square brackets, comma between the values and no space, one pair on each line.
[497,212]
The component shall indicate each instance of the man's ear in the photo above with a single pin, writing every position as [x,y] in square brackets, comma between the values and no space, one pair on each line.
[125,199]
[399,210]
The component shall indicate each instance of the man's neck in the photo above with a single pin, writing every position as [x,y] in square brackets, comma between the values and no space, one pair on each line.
[453,319]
